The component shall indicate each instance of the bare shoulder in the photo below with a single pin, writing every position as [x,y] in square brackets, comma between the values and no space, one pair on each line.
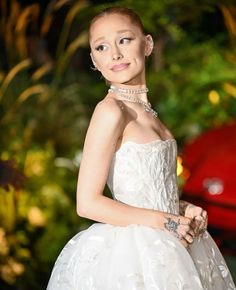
[106,126]
[110,110]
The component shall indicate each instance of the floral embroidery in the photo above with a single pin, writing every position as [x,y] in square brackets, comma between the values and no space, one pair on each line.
[107,257]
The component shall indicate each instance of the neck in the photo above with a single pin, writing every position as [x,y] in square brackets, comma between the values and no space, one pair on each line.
[136,91]
[129,86]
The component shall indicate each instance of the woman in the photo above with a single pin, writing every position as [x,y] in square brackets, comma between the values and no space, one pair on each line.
[145,238]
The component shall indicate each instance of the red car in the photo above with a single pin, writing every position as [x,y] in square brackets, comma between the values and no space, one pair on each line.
[211,162]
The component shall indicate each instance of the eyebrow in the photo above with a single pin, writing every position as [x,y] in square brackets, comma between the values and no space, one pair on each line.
[118,32]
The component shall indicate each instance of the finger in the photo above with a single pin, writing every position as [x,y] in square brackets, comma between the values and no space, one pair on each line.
[194,224]
[191,233]
[206,223]
[185,220]
[204,214]
[189,238]
[202,231]
[200,211]
[202,218]
[183,231]
[202,227]
[184,243]
[198,218]
[197,227]
[186,228]
[195,230]
[206,220]
[200,222]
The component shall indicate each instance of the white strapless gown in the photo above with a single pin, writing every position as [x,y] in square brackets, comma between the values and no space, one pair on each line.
[136,257]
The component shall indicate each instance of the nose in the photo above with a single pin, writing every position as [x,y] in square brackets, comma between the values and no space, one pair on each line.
[116,54]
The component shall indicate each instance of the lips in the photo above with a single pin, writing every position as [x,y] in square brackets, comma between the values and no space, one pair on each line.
[119,67]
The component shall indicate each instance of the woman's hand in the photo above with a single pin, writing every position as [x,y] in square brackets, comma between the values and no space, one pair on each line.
[180,227]
[199,218]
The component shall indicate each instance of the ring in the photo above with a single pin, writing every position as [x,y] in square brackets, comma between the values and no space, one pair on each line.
[202,230]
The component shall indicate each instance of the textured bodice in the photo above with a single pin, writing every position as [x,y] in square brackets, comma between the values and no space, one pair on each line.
[113,257]
[144,175]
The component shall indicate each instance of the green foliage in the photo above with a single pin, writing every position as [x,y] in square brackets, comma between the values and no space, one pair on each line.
[43,119]
[191,74]
[46,100]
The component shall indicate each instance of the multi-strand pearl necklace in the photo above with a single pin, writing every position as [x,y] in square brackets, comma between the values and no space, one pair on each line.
[125,93]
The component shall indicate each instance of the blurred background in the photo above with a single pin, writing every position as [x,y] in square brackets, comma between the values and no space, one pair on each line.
[48,92]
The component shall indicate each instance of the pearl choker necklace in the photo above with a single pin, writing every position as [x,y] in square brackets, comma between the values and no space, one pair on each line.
[121,92]
[128,91]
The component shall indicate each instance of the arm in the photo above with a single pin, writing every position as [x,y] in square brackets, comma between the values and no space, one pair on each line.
[106,126]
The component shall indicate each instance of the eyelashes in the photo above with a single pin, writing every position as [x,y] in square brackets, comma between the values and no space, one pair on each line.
[126,40]
[101,47]
[104,47]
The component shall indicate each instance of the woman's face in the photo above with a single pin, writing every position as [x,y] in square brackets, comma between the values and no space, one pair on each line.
[118,49]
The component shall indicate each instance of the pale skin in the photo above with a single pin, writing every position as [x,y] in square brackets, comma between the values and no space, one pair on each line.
[115,40]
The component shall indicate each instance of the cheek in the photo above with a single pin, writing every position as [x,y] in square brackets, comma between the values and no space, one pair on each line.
[101,61]
[139,56]
[139,52]
[103,65]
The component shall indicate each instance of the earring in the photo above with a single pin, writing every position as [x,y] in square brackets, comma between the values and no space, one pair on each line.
[94,68]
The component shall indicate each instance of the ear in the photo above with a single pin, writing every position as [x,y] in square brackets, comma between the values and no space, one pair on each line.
[93,60]
[149,44]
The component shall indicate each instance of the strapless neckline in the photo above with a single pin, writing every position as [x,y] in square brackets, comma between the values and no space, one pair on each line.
[130,142]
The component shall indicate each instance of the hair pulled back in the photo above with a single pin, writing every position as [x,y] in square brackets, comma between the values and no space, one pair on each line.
[133,17]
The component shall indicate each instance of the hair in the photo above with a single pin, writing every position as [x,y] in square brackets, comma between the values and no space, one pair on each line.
[133,17]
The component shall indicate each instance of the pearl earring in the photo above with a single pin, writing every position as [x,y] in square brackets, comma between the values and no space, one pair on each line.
[94,67]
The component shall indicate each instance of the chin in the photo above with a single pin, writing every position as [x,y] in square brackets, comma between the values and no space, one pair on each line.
[122,79]
[118,81]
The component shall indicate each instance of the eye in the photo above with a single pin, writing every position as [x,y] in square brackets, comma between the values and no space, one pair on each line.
[101,47]
[126,40]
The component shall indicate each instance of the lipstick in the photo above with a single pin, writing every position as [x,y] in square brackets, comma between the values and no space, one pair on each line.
[119,67]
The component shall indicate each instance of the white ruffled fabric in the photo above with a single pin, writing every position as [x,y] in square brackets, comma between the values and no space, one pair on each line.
[135,257]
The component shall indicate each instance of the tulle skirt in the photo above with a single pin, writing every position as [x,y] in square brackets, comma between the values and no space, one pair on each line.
[135,257]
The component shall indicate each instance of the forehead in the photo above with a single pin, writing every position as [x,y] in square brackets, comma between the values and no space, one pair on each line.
[111,24]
